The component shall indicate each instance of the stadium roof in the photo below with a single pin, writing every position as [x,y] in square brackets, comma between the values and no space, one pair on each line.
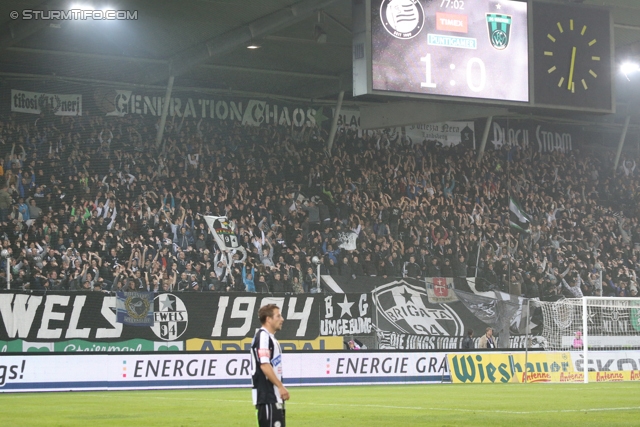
[305,45]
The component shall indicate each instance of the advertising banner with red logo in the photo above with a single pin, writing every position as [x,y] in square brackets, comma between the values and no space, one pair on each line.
[546,367]
[453,22]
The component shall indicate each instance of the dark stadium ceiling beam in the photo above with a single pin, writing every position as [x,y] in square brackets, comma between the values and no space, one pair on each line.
[325,89]
[204,90]
[61,53]
[304,41]
[337,22]
[627,27]
[261,27]
[410,113]
[20,29]
[274,72]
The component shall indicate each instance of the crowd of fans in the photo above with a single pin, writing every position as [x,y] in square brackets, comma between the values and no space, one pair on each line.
[90,203]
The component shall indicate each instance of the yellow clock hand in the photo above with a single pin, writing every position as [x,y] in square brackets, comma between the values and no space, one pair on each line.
[573,63]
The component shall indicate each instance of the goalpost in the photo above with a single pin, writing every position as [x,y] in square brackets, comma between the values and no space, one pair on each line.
[589,325]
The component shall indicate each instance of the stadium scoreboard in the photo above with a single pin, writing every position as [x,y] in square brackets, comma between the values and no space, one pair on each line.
[485,51]
[473,49]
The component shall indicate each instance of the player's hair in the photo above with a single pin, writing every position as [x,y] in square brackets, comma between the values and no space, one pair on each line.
[266,311]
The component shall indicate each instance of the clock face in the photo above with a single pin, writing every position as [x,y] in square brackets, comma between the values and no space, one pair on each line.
[572,57]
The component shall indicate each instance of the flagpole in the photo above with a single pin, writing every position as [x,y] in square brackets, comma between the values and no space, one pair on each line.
[508,167]
[478,257]
[509,262]
[526,340]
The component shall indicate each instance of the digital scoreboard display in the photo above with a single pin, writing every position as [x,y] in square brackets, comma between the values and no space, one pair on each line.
[449,48]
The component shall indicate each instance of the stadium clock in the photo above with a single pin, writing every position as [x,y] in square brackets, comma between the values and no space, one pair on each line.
[572,56]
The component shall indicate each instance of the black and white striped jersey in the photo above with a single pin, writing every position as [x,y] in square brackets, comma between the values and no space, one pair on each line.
[265,349]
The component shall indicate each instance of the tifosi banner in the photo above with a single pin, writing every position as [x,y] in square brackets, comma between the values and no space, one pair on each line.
[53,321]
[447,134]
[136,371]
[542,137]
[251,112]
[346,314]
[38,102]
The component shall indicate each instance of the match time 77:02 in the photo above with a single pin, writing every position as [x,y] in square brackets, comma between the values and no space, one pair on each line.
[452,4]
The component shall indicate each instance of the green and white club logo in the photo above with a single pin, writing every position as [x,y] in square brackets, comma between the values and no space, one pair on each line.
[499,27]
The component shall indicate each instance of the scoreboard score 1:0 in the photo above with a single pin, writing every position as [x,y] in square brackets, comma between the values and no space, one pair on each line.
[451,48]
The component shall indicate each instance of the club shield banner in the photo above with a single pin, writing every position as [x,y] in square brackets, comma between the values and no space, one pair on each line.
[408,315]
[134,308]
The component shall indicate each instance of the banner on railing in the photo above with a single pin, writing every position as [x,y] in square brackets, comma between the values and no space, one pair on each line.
[62,321]
[214,370]
[408,317]
[395,315]
[550,367]
[23,101]
[542,137]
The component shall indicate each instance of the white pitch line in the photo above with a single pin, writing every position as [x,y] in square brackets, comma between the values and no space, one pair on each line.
[420,408]
[470,410]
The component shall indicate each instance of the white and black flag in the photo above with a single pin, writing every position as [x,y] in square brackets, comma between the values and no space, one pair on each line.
[224,234]
[347,240]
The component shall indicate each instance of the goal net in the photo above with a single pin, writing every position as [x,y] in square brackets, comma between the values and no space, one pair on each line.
[603,331]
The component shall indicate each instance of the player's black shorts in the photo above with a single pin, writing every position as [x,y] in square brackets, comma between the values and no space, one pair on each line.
[271,415]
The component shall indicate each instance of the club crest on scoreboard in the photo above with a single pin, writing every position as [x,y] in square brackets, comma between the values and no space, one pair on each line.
[403,19]
[499,27]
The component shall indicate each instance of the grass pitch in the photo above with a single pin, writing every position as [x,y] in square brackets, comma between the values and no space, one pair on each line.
[612,404]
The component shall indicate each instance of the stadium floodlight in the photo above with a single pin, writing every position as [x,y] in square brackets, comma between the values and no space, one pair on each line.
[254,45]
[82,6]
[317,261]
[629,68]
